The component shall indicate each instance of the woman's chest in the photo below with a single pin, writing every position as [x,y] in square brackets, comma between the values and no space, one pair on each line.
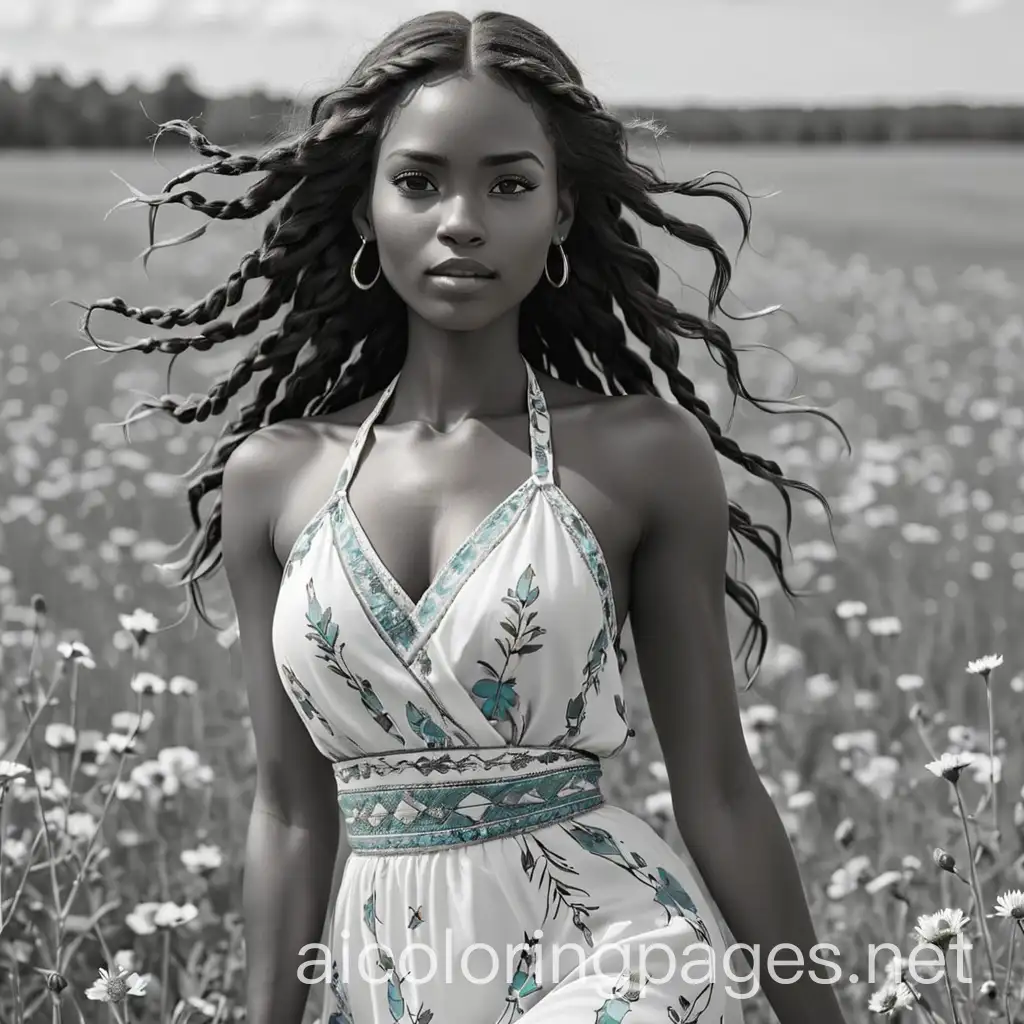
[417,502]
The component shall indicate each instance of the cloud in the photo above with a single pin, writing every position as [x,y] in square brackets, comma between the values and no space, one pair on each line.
[259,15]
[125,13]
[967,8]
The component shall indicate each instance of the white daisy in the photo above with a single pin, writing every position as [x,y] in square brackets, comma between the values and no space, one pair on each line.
[941,928]
[116,986]
[76,651]
[203,859]
[182,686]
[886,880]
[1011,904]
[149,682]
[845,832]
[171,915]
[891,997]
[908,681]
[984,665]
[11,771]
[851,609]
[950,765]
[140,624]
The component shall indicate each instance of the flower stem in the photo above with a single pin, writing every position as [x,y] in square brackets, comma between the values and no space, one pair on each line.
[1009,974]
[922,1002]
[949,991]
[992,759]
[978,900]
[164,972]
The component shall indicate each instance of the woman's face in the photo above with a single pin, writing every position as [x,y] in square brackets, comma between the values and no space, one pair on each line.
[505,215]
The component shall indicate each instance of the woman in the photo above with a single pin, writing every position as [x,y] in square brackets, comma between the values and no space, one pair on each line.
[433,545]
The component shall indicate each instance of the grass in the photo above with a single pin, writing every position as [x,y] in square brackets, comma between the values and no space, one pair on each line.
[899,272]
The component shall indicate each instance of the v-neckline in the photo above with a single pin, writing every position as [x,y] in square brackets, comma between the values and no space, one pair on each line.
[406,619]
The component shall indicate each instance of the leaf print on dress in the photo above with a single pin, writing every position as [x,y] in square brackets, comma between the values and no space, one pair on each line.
[304,542]
[692,1008]
[523,983]
[560,893]
[425,727]
[576,708]
[325,635]
[397,1007]
[668,892]
[627,990]
[303,698]
[498,697]
[343,1011]
[621,658]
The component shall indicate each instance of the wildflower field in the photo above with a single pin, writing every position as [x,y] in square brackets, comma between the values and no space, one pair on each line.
[886,721]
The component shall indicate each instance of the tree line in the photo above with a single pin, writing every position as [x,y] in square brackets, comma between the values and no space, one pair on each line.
[51,113]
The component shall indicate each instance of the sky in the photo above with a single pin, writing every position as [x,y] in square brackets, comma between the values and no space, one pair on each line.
[649,51]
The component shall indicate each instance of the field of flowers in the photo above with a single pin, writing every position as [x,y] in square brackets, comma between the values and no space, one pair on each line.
[886,721]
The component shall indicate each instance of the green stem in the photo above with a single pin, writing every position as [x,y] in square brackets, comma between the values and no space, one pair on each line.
[978,900]
[949,990]
[1020,995]
[1009,974]
[3,792]
[921,1002]
[992,759]
[164,972]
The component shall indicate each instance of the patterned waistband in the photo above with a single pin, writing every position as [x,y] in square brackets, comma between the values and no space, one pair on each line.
[406,801]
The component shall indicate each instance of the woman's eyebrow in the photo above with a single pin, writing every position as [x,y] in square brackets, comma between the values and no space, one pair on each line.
[492,160]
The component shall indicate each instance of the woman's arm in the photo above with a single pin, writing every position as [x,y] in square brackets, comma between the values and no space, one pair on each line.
[294,832]
[724,813]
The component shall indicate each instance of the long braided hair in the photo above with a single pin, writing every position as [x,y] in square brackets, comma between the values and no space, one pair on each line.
[309,243]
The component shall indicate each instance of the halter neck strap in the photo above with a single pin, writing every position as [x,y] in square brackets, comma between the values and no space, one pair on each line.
[541,456]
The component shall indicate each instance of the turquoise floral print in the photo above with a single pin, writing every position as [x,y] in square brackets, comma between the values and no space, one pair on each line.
[553,869]
[667,890]
[523,983]
[305,540]
[575,710]
[304,699]
[690,1010]
[425,727]
[343,1010]
[325,635]
[496,693]
[626,992]
[397,1006]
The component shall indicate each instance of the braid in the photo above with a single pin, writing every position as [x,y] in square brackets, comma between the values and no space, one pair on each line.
[355,342]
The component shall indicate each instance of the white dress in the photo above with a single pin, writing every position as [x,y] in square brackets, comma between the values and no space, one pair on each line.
[489,881]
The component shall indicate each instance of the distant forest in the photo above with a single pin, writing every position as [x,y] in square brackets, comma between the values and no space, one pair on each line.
[50,113]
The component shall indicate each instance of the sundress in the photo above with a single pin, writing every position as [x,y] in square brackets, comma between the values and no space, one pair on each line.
[489,880]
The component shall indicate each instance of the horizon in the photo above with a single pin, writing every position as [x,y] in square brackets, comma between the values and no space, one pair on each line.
[773,53]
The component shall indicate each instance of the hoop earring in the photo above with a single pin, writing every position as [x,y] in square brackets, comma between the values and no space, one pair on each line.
[565,268]
[355,263]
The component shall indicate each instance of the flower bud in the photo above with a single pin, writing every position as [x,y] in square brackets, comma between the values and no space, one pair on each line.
[56,982]
[919,713]
[944,860]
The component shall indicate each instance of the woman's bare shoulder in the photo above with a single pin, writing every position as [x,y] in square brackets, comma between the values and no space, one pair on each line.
[273,456]
[295,438]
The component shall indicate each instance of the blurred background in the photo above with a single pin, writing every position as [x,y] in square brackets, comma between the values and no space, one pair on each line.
[883,141]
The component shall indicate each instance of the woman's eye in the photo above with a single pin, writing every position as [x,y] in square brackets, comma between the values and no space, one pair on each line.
[402,178]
